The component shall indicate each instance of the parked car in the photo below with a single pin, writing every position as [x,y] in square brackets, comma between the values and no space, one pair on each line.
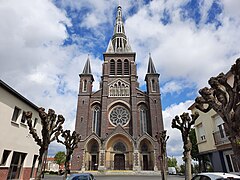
[215,176]
[172,170]
[82,176]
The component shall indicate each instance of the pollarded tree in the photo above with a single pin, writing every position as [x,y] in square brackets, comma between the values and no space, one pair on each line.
[223,97]
[193,139]
[162,140]
[51,128]
[184,125]
[70,142]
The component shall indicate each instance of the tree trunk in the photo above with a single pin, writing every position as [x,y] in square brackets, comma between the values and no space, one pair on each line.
[39,168]
[67,169]
[164,173]
[235,142]
[40,165]
[188,170]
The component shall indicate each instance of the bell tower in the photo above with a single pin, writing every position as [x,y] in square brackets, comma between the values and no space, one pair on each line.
[154,97]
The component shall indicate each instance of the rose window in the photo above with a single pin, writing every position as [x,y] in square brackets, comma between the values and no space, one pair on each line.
[119,116]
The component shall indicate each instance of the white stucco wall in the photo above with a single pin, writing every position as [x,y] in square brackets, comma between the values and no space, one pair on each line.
[208,125]
[14,136]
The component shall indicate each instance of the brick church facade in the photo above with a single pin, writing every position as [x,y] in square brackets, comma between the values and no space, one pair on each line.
[119,122]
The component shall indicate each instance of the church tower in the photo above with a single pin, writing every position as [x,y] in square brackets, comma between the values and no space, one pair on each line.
[118,123]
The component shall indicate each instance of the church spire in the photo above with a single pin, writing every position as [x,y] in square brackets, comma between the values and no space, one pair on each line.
[119,42]
[151,67]
[87,67]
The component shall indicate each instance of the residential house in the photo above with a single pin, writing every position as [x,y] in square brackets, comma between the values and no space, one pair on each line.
[18,150]
[215,150]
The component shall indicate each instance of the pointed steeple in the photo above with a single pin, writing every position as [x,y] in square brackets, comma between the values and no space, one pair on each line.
[87,67]
[110,47]
[119,42]
[151,67]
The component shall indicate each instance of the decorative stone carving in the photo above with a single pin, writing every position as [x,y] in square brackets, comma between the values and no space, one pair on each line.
[119,116]
[119,88]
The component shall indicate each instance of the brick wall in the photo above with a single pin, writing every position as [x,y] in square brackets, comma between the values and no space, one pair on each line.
[3,172]
[26,173]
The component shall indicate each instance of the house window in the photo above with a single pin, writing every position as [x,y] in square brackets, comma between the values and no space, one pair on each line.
[23,120]
[126,67]
[33,165]
[221,130]
[112,67]
[5,157]
[219,126]
[96,119]
[119,67]
[16,165]
[143,119]
[201,133]
[35,122]
[16,114]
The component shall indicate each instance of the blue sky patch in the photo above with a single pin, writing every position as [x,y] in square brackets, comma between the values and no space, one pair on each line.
[166,18]
[213,13]
[191,10]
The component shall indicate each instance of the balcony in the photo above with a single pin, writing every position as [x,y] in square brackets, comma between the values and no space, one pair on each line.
[220,138]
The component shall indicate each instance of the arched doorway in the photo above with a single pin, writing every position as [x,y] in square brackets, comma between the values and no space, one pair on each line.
[119,153]
[119,157]
[147,155]
[92,155]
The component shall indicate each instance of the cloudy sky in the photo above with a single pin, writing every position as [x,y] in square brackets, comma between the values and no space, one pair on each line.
[44,45]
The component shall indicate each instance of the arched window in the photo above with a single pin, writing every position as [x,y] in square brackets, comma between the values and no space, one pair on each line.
[112,67]
[126,67]
[96,120]
[144,147]
[84,85]
[120,147]
[143,119]
[94,148]
[119,67]
[153,83]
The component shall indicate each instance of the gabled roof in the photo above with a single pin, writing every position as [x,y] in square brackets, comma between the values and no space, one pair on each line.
[16,94]
[119,130]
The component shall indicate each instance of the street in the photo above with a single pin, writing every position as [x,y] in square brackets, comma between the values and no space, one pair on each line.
[121,177]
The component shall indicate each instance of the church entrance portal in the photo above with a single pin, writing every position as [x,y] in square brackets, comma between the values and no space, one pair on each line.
[145,162]
[119,162]
[94,162]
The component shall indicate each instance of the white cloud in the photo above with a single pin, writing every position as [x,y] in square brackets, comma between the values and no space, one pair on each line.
[172,86]
[33,60]
[181,49]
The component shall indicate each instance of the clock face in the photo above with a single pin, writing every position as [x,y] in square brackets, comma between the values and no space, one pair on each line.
[119,116]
